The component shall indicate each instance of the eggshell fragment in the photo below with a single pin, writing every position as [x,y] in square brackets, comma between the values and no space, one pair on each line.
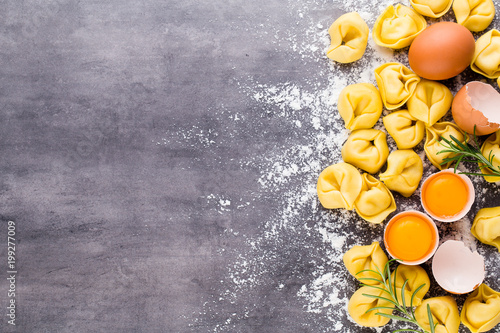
[476,104]
[456,268]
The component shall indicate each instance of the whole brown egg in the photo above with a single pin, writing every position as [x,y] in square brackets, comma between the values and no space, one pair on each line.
[443,50]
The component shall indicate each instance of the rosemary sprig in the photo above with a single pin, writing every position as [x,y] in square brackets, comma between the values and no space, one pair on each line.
[389,287]
[466,152]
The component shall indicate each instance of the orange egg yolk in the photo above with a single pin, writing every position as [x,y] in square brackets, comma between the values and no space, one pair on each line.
[445,195]
[410,238]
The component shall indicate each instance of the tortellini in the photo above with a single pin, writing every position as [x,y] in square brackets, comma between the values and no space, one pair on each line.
[475,15]
[404,172]
[406,130]
[339,186]
[433,143]
[416,277]
[431,8]
[491,148]
[444,314]
[366,149]
[349,37]
[397,26]
[397,83]
[430,101]
[360,105]
[481,310]
[486,59]
[486,226]
[375,202]
[359,305]
[365,257]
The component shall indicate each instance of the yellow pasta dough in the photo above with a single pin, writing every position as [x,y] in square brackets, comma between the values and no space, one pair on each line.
[444,314]
[431,8]
[360,105]
[406,130]
[404,172]
[365,257]
[416,276]
[430,101]
[481,310]
[349,37]
[486,226]
[475,15]
[375,202]
[366,149]
[491,148]
[486,59]
[433,142]
[359,305]
[339,186]
[397,83]
[397,26]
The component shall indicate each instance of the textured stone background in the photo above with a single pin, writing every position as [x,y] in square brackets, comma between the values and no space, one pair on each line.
[123,165]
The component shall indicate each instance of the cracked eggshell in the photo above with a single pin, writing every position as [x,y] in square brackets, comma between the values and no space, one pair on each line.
[456,268]
[476,103]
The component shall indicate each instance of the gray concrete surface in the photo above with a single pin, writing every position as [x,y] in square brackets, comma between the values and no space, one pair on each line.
[118,141]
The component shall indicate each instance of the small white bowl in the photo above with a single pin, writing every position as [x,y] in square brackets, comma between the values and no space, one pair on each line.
[468,205]
[434,229]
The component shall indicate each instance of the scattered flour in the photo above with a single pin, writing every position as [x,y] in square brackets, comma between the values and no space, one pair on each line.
[310,106]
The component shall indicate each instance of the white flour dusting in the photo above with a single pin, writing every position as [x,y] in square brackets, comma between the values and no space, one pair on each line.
[310,107]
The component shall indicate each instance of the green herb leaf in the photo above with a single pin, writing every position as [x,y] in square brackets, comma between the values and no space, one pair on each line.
[394,317]
[461,150]
[431,320]
[389,287]
[382,298]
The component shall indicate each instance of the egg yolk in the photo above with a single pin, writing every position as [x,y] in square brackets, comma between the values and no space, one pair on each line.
[445,195]
[410,238]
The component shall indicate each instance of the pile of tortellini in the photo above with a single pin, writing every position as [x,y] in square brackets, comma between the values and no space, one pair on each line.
[360,105]
[480,312]
[398,26]
[417,105]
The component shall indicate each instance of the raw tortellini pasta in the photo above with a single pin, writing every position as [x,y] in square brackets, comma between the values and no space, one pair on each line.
[491,147]
[406,130]
[365,257]
[475,15]
[486,60]
[360,105]
[396,83]
[431,8]
[359,305]
[375,202]
[339,186]
[416,277]
[433,142]
[366,149]
[481,310]
[404,172]
[444,314]
[397,26]
[486,226]
[430,101]
[349,37]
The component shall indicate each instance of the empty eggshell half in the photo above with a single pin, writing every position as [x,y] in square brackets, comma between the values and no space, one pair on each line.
[456,268]
[476,103]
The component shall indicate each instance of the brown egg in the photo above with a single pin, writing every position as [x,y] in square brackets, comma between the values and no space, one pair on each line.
[476,104]
[441,51]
